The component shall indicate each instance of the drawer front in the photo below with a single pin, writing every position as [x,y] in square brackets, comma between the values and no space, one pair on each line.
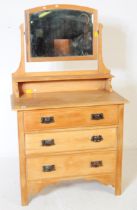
[70,117]
[71,140]
[70,165]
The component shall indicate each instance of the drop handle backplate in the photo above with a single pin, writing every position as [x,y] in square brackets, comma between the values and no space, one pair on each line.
[97,116]
[97,138]
[96,164]
[47,120]
[48,168]
[47,142]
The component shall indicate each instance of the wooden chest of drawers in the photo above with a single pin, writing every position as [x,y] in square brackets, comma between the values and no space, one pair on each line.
[66,143]
[70,130]
[70,123]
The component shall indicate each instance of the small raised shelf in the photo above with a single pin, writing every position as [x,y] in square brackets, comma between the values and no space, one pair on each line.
[56,76]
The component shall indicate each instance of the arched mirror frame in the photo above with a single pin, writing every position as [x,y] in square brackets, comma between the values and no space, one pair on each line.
[101,72]
[61,58]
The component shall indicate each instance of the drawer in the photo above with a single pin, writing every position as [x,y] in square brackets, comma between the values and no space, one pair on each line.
[70,165]
[72,140]
[70,117]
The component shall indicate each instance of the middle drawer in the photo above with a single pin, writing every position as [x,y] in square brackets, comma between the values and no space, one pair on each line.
[71,140]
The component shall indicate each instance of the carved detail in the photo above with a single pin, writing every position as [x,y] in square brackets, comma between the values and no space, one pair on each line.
[36,187]
[21,68]
[109,85]
[105,179]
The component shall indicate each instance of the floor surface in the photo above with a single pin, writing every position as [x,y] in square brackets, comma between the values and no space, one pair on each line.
[77,195]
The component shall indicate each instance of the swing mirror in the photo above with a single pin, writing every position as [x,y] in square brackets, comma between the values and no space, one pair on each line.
[60,33]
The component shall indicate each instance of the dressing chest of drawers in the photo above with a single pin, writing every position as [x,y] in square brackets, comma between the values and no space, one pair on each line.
[70,123]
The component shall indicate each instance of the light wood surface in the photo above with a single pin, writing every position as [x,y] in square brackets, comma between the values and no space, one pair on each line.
[101,65]
[70,140]
[70,165]
[63,99]
[60,76]
[36,186]
[55,81]
[57,86]
[60,82]
[22,156]
[71,98]
[61,6]
[70,117]
[118,182]
[21,69]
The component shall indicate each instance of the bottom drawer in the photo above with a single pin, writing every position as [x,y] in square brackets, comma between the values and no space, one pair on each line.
[81,164]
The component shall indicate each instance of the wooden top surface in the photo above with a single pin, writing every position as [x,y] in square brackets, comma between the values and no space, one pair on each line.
[66,99]
[62,76]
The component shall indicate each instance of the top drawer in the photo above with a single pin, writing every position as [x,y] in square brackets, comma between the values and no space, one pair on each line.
[70,117]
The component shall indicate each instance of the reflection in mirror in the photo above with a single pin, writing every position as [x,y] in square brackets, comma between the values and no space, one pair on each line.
[60,32]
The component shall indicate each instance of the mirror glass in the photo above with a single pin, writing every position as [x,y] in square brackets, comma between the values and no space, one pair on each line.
[61,32]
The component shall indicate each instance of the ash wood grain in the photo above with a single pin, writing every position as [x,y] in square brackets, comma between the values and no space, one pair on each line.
[36,186]
[70,165]
[71,97]
[101,66]
[61,6]
[21,69]
[70,117]
[22,156]
[70,140]
[63,99]
[118,180]
[57,86]
[60,76]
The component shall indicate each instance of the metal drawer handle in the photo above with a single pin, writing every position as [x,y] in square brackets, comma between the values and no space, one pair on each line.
[47,142]
[47,120]
[97,116]
[96,164]
[48,168]
[98,138]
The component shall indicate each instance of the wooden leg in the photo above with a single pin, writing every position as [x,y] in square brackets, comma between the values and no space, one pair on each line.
[23,178]
[118,190]
[119,152]
[23,183]
[24,196]
[24,201]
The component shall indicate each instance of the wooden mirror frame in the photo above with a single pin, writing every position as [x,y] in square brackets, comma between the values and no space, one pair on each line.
[101,73]
[61,58]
